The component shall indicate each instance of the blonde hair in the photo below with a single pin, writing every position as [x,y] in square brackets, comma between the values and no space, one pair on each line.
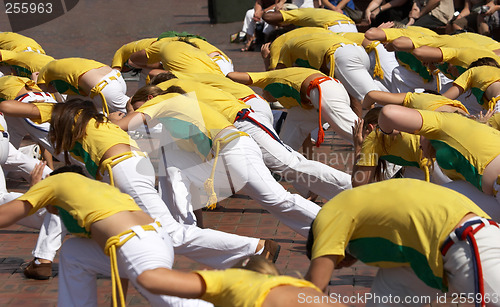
[259,264]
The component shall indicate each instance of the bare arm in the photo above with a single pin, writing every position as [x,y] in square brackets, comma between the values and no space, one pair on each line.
[320,271]
[372,10]
[362,175]
[399,118]
[453,92]
[428,54]
[172,282]
[240,77]
[139,59]
[432,4]
[403,43]
[15,108]
[375,34]
[131,121]
[13,211]
[383,98]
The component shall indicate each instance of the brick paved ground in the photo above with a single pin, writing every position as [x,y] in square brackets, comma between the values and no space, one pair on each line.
[95,29]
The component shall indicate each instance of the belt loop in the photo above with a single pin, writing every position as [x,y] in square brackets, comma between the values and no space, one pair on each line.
[454,237]
[139,231]
[485,222]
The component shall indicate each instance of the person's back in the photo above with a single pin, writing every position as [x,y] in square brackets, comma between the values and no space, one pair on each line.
[405,227]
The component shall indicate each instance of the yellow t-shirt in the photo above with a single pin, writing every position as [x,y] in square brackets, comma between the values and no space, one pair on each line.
[311,50]
[10,86]
[462,58]
[244,288]
[314,17]
[221,101]
[284,84]
[192,124]
[236,89]
[426,101]
[153,51]
[482,40]
[494,121]
[17,42]
[407,59]
[181,57]
[463,146]
[123,54]
[25,63]
[81,201]
[401,149]
[392,223]
[280,41]
[478,79]
[411,32]
[450,41]
[64,74]
[98,139]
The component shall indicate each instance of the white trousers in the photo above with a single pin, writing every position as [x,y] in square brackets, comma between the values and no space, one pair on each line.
[115,93]
[82,259]
[240,167]
[402,281]
[405,80]
[336,110]
[387,62]
[136,177]
[311,175]
[16,160]
[351,68]
[249,24]
[343,27]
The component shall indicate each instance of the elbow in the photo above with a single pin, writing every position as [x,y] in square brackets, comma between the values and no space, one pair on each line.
[375,34]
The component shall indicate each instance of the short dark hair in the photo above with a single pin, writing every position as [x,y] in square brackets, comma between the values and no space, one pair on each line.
[310,242]
[69,169]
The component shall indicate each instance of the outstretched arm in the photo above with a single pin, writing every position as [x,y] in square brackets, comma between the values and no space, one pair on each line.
[320,271]
[172,282]
[403,43]
[375,34]
[13,211]
[383,98]
[453,92]
[130,121]
[427,54]
[240,77]
[399,118]
[15,108]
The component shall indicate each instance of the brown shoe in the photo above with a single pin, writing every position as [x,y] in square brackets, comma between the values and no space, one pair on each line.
[42,271]
[271,250]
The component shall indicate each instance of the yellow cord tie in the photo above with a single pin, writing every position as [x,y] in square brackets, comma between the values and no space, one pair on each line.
[315,84]
[492,103]
[332,64]
[108,163]
[435,73]
[97,90]
[424,165]
[209,183]
[377,70]
[110,249]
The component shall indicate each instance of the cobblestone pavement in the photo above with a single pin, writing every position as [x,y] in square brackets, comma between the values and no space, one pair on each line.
[96,29]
